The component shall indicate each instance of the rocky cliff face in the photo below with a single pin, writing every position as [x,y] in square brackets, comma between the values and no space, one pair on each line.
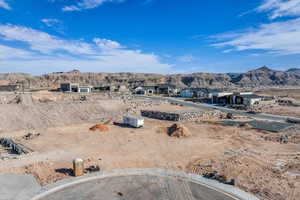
[256,78]
[267,77]
[294,70]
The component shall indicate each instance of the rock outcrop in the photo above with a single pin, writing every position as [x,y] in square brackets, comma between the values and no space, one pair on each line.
[261,77]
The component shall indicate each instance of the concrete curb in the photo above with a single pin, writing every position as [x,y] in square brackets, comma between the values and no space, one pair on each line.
[228,190]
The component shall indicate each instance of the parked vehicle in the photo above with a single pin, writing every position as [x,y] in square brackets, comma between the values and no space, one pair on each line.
[133,121]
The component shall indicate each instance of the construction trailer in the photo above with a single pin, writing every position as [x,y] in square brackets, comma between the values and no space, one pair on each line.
[133,121]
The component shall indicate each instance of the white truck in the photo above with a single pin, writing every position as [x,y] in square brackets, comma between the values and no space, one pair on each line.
[133,121]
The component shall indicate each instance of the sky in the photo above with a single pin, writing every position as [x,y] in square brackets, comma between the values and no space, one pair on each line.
[149,36]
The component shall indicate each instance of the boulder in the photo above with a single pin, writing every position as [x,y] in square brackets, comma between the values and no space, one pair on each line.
[178,130]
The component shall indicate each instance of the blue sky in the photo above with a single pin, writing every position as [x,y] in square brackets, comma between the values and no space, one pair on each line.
[155,36]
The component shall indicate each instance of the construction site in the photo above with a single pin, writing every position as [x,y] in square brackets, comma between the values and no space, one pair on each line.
[42,132]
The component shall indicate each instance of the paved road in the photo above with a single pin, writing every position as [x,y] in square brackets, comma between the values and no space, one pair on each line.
[18,186]
[138,188]
[260,116]
[141,184]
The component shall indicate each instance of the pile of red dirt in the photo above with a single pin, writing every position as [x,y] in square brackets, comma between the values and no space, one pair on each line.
[100,127]
[178,130]
[109,122]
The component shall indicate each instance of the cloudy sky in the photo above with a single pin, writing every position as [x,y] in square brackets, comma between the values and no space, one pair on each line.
[157,36]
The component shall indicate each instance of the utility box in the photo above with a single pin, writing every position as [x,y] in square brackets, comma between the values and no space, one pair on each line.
[133,121]
[78,168]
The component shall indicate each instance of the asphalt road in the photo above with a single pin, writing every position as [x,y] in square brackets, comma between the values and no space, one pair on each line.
[260,116]
[138,187]
[18,186]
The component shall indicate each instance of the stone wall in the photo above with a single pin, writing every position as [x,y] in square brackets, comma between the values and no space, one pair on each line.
[181,116]
[160,115]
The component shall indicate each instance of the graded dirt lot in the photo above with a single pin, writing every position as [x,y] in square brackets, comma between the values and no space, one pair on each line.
[268,169]
[282,94]
[290,111]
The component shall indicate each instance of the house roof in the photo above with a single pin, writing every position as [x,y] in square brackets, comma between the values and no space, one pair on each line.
[166,86]
[146,87]
[207,90]
[250,96]
[85,86]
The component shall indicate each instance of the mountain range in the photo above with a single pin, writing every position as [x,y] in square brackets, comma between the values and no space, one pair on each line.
[261,77]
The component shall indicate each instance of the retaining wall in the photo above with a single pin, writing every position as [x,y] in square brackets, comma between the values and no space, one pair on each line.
[173,116]
[161,115]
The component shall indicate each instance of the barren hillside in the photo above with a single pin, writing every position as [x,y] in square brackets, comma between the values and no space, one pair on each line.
[262,77]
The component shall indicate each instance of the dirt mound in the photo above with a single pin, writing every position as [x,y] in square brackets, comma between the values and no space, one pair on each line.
[264,179]
[178,130]
[109,122]
[100,127]
[44,115]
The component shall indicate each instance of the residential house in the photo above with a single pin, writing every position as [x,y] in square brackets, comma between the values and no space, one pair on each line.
[122,88]
[199,92]
[85,89]
[145,90]
[75,87]
[245,98]
[166,89]
[69,87]
[9,88]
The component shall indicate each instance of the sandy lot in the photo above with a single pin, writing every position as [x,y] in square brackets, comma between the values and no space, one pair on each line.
[290,111]
[289,93]
[268,169]
[283,94]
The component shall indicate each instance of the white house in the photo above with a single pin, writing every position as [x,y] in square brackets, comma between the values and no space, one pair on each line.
[85,89]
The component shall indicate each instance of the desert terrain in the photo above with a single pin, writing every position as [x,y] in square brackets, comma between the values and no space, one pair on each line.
[290,95]
[258,161]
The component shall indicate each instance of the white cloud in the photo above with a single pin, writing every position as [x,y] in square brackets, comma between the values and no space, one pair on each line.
[44,54]
[277,37]
[14,53]
[88,4]
[5,5]
[50,22]
[124,61]
[280,8]
[107,44]
[41,41]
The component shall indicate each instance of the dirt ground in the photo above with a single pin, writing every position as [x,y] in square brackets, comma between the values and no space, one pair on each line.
[275,109]
[268,169]
[283,93]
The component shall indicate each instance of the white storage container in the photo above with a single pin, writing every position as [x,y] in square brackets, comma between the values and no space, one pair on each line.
[133,121]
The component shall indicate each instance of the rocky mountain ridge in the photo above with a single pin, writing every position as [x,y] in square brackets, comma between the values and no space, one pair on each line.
[294,70]
[261,77]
